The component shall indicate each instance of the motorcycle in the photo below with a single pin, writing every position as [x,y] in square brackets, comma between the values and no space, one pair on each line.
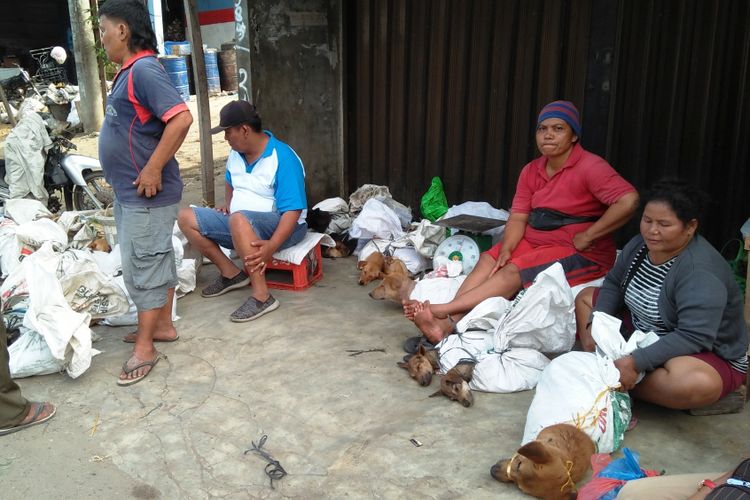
[79,178]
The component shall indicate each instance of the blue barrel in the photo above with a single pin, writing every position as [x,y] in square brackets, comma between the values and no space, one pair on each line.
[212,71]
[177,71]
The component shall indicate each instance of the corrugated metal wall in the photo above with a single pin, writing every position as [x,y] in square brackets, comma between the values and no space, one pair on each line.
[681,102]
[452,88]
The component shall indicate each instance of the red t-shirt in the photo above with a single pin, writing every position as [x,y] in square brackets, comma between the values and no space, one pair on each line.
[586,185]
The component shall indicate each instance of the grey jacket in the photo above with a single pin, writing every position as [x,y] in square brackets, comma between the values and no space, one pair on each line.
[700,303]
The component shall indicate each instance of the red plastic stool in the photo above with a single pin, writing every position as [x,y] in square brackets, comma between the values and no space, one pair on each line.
[287,276]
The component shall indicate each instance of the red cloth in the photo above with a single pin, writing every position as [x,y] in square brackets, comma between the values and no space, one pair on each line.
[586,185]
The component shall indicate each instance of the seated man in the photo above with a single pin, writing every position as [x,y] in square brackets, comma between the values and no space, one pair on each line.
[265,209]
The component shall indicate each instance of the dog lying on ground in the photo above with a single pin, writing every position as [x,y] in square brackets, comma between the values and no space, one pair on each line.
[397,284]
[455,384]
[549,466]
[100,245]
[422,365]
[371,268]
[344,246]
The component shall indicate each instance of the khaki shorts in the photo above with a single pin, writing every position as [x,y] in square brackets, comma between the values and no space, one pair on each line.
[145,239]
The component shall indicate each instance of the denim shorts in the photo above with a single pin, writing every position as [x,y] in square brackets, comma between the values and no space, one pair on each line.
[214,225]
[148,267]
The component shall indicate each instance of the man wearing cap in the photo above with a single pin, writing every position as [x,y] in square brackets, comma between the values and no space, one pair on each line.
[265,209]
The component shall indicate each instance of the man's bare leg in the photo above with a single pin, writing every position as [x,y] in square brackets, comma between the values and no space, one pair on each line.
[243,235]
[208,248]
[165,330]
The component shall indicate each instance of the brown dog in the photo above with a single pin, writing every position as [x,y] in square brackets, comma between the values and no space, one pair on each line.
[549,466]
[392,265]
[397,284]
[455,384]
[371,268]
[422,365]
[100,245]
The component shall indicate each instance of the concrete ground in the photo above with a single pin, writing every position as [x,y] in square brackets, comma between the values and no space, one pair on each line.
[339,424]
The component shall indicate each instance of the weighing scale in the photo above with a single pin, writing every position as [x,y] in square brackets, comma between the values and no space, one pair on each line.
[468,243]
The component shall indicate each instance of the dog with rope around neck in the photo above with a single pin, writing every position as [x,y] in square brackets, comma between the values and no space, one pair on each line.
[550,466]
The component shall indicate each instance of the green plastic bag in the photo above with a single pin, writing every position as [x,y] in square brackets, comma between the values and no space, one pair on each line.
[434,204]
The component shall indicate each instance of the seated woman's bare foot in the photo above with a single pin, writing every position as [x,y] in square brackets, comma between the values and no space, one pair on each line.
[410,308]
[435,329]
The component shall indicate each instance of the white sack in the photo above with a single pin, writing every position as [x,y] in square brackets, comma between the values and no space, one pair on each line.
[581,388]
[297,253]
[437,290]
[186,276]
[507,339]
[30,355]
[9,249]
[376,220]
[35,233]
[426,237]
[86,288]
[67,332]
[542,316]
[25,152]
[24,210]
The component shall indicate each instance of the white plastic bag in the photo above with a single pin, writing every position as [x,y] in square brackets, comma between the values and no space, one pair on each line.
[24,210]
[426,237]
[581,388]
[437,290]
[30,355]
[86,288]
[376,220]
[66,332]
[36,232]
[9,250]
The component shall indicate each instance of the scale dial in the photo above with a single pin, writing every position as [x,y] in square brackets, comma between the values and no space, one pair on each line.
[459,247]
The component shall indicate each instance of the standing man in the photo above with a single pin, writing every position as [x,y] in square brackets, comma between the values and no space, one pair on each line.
[15,412]
[145,123]
[265,209]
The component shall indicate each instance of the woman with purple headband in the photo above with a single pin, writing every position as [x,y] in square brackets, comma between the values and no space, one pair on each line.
[567,204]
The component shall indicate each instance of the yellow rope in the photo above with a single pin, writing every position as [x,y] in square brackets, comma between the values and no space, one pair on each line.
[510,462]
[568,468]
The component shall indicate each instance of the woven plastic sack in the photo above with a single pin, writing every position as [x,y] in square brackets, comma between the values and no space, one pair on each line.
[434,203]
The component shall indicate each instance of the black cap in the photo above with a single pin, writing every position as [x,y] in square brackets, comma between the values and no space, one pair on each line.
[236,113]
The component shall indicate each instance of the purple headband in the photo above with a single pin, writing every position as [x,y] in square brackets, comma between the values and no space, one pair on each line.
[565,110]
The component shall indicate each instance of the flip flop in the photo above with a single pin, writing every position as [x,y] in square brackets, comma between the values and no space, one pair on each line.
[128,371]
[128,341]
[35,419]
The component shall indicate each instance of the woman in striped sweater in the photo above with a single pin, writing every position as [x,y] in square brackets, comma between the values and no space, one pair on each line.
[671,281]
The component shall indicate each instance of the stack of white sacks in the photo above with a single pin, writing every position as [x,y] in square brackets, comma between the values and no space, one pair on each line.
[55,286]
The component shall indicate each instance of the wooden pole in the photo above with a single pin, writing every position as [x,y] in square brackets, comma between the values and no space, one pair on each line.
[7,106]
[94,9]
[201,95]
[91,109]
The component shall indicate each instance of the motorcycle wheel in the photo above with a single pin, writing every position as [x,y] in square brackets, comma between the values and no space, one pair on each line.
[101,189]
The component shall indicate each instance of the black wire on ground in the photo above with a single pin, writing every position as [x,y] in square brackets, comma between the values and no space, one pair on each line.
[273,469]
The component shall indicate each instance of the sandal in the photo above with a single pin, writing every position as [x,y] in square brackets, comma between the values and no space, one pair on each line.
[130,338]
[36,417]
[130,381]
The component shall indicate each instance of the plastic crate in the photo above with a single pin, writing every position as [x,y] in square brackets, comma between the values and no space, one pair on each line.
[287,276]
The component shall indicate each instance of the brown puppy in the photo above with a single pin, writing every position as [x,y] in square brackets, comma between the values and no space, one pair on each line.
[455,384]
[392,265]
[549,466]
[371,268]
[422,365]
[100,245]
[395,287]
